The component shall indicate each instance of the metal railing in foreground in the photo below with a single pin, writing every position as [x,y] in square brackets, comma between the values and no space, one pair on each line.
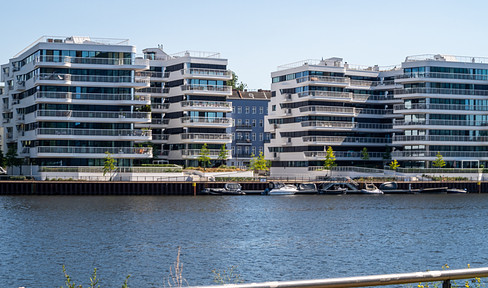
[374,280]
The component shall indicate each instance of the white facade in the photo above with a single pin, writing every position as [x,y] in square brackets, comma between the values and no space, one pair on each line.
[444,110]
[428,105]
[189,104]
[322,103]
[70,100]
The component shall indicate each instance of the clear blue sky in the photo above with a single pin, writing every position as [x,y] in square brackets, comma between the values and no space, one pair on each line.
[257,36]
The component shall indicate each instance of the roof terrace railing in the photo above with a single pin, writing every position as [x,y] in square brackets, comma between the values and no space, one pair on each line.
[75,40]
[374,280]
[197,54]
[446,58]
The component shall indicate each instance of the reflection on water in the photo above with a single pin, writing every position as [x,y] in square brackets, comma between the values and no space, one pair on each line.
[268,238]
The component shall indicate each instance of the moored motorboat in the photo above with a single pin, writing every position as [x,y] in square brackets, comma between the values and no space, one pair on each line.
[457,191]
[280,188]
[370,188]
[229,189]
[307,188]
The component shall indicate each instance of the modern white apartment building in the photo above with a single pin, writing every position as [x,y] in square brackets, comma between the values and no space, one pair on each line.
[69,100]
[429,104]
[320,103]
[444,109]
[189,104]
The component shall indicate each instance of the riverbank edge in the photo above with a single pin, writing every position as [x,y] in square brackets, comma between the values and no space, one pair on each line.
[163,188]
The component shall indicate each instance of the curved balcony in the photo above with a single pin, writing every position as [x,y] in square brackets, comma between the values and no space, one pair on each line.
[436,76]
[153,91]
[442,92]
[93,134]
[345,97]
[345,140]
[210,138]
[206,122]
[442,124]
[89,80]
[446,155]
[324,80]
[362,83]
[90,152]
[330,124]
[214,106]
[194,89]
[90,62]
[466,109]
[91,98]
[92,116]
[328,110]
[440,140]
[153,75]
[341,125]
[344,155]
[213,74]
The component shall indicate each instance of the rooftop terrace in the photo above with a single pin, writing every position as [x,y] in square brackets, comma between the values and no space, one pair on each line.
[337,62]
[76,40]
[446,58]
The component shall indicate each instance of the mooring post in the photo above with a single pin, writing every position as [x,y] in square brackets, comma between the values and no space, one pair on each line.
[194,184]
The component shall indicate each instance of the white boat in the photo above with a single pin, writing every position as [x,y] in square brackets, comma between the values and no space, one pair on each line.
[279,188]
[457,191]
[371,189]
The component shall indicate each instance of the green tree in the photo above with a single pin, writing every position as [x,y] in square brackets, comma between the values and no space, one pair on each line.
[3,160]
[223,154]
[439,161]
[12,159]
[258,163]
[365,154]
[109,165]
[394,165]
[204,157]
[330,159]
[233,83]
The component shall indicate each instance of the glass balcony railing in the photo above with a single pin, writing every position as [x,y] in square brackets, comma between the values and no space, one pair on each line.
[94,132]
[345,139]
[92,114]
[207,72]
[89,78]
[343,154]
[205,120]
[206,88]
[330,124]
[441,107]
[445,154]
[437,75]
[434,122]
[207,104]
[94,151]
[206,137]
[83,60]
[90,96]
[439,138]
[445,91]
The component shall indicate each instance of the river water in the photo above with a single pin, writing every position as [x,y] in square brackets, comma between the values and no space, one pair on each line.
[266,238]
